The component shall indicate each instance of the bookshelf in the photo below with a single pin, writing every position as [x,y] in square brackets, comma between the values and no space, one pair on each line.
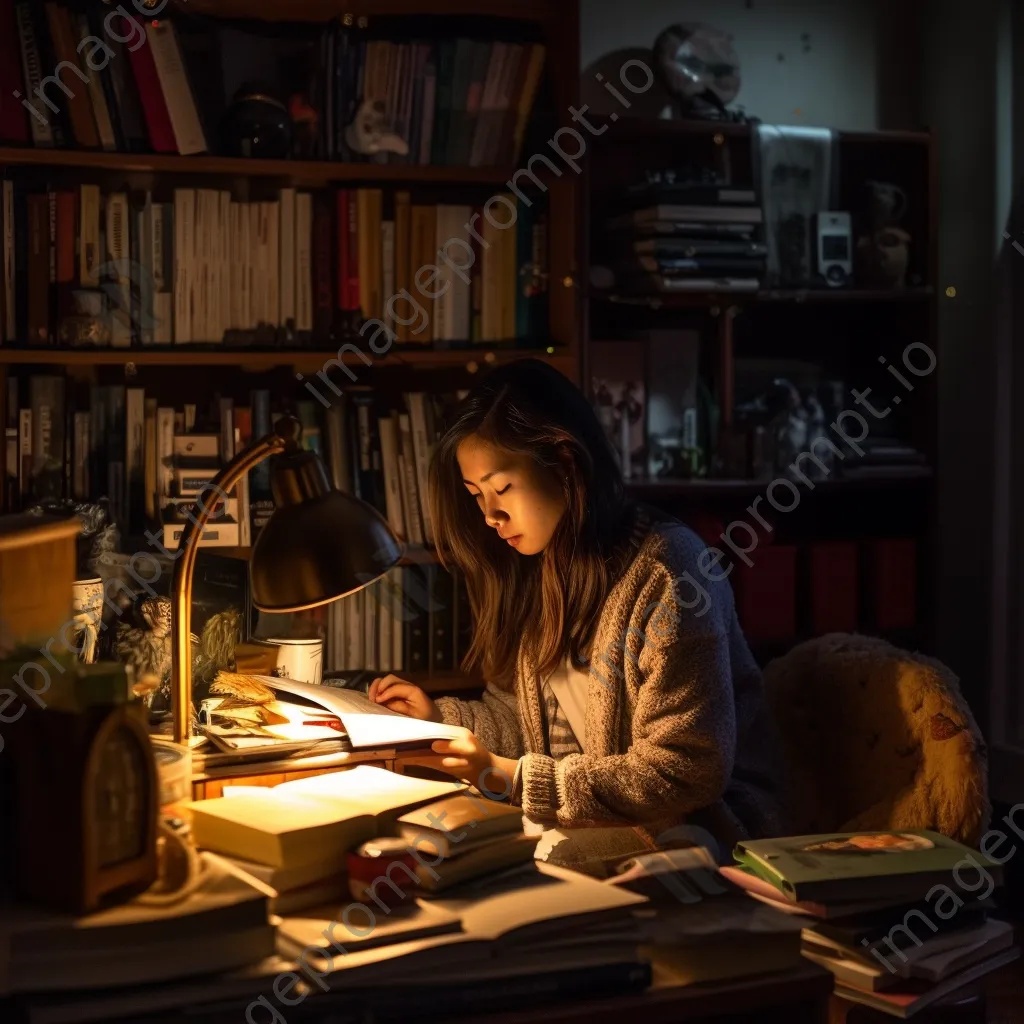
[844,332]
[199,372]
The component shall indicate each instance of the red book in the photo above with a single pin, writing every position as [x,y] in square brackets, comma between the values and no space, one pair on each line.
[892,571]
[13,116]
[158,120]
[833,588]
[766,593]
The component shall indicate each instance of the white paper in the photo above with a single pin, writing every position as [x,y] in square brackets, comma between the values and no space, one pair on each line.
[369,726]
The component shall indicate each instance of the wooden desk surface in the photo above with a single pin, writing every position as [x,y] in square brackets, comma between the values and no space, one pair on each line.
[796,997]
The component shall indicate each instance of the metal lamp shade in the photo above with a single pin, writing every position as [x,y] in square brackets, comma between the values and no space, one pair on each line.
[319,544]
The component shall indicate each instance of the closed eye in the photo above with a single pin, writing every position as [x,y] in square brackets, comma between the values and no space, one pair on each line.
[504,489]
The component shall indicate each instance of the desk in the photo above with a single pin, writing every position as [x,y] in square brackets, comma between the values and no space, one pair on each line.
[795,997]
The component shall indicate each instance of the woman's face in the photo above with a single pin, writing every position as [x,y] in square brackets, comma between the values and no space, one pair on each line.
[520,499]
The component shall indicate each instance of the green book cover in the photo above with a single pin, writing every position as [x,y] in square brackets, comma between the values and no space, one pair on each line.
[848,865]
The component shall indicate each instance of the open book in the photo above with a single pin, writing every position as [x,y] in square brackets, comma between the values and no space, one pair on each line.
[310,819]
[369,726]
[550,912]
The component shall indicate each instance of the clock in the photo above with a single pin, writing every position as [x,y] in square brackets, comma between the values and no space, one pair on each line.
[86,795]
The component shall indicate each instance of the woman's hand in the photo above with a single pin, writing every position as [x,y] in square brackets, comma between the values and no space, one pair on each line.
[405,698]
[466,758]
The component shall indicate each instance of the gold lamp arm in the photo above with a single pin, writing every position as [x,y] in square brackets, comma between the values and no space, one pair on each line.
[184,569]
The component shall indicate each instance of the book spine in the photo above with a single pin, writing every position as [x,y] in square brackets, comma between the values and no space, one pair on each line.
[108,137]
[47,403]
[410,490]
[89,247]
[441,620]
[324,235]
[165,451]
[10,324]
[14,127]
[79,105]
[25,455]
[388,431]
[259,478]
[423,448]
[287,254]
[184,235]
[135,452]
[150,468]
[158,118]
[118,269]
[80,457]
[174,85]
[415,626]
[304,263]
[38,270]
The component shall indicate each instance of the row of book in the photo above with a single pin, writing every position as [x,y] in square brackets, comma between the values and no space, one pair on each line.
[415,619]
[130,269]
[435,92]
[683,237]
[152,462]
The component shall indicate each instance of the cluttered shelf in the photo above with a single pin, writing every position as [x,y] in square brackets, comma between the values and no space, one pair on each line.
[795,295]
[474,357]
[310,173]
[325,10]
[647,129]
[906,476]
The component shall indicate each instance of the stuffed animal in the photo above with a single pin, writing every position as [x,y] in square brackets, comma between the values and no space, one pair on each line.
[876,738]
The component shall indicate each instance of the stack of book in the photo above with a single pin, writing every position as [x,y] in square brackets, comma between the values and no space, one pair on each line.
[222,925]
[123,269]
[451,91]
[900,918]
[540,933]
[681,237]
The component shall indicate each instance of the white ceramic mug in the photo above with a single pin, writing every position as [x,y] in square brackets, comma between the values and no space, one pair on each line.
[299,659]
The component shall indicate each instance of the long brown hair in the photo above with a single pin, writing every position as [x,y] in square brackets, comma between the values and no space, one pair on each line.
[552,601]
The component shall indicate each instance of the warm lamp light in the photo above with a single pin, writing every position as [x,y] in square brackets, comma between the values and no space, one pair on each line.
[320,544]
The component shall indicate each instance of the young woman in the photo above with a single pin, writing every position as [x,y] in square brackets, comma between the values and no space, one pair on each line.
[620,689]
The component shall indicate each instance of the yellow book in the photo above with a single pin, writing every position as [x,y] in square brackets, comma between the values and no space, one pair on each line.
[403,269]
[423,253]
[370,213]
[309,819]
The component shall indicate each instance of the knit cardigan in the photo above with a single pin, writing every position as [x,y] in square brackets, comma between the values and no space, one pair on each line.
[676,728]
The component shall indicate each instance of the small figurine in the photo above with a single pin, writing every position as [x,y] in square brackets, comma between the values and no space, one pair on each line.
[368,133]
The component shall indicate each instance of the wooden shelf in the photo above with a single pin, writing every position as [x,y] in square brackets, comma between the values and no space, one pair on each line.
[680,300]
[647,129]
[313,173]
[472,359]
[913,476]
[325,10]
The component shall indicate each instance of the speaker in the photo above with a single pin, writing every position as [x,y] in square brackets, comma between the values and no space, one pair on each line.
[833,248]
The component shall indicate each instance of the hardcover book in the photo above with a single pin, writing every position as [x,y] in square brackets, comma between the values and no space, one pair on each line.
[861,865]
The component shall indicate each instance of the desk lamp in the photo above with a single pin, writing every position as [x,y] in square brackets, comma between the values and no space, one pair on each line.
[320,544]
